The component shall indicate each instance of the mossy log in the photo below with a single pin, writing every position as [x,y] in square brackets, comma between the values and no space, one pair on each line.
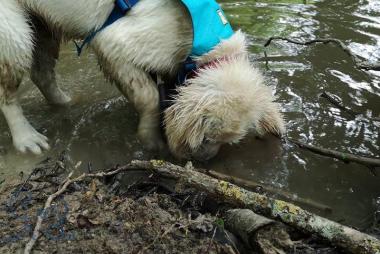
[251,185]
[347,238]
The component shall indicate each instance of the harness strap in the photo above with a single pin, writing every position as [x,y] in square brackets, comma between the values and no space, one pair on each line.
[119,11]
[188,67]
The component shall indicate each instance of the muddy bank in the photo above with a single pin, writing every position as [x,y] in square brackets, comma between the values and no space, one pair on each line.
[133,212]
[90,218]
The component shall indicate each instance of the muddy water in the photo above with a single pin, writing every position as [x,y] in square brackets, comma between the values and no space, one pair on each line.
[100,125]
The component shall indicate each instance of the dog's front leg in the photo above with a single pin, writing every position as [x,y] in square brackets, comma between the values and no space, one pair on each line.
[25,137]
[45,55]
[141,90]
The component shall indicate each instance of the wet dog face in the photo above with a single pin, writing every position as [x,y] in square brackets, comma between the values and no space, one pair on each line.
[220,106]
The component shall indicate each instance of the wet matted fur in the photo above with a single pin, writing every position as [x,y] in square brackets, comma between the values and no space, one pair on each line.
[219,105]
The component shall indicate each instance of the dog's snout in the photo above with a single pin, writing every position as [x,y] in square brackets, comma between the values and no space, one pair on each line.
[206,152]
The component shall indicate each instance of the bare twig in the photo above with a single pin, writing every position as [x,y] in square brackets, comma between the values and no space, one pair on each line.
[211,240]
[345,157]
[266,60]
[360,64]
[339,105]
[36,231]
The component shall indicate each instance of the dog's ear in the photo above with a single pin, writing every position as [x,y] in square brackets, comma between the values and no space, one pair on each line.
[184,127]
[272,121]
[212,123]
[193,132]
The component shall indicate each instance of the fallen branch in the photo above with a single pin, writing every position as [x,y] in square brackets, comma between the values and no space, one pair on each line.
[364,65]
[345,157]
[249,184]
[339,105]
[347,238]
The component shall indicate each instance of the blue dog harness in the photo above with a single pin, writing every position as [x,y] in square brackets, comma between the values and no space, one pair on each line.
[210,25]
[121,8]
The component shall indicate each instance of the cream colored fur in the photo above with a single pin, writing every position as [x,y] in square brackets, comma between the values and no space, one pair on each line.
[74,18]
[219,106]
[15,37]
[16,46]
[222,103]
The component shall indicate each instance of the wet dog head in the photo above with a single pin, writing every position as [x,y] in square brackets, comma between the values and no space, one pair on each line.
[220,105]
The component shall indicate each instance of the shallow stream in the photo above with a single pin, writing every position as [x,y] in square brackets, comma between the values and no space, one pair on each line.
[100,126]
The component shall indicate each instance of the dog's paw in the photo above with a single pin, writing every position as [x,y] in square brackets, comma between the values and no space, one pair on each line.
[153,145]
[151,140]
[59,98]
[31,141]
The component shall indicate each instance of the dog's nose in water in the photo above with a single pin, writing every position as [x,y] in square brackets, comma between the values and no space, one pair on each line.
[205,153]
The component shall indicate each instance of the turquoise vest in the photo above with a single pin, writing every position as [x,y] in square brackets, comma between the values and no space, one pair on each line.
[210,25]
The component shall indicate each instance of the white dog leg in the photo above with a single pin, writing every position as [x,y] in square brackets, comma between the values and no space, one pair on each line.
[25,137]
[142,91]
[45,55]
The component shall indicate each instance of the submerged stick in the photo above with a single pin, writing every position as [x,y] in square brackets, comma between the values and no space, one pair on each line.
[347,238]
[345,157]
[339,105]
[364,65]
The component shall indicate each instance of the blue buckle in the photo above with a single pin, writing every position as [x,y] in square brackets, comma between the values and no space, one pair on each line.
[124,5]
[189,65]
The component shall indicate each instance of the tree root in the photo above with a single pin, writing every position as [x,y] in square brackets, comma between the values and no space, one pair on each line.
[344,237]
[363,65]
[258,232]
[345,157]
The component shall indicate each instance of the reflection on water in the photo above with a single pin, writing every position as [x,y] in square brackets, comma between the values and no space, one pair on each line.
[100,126]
